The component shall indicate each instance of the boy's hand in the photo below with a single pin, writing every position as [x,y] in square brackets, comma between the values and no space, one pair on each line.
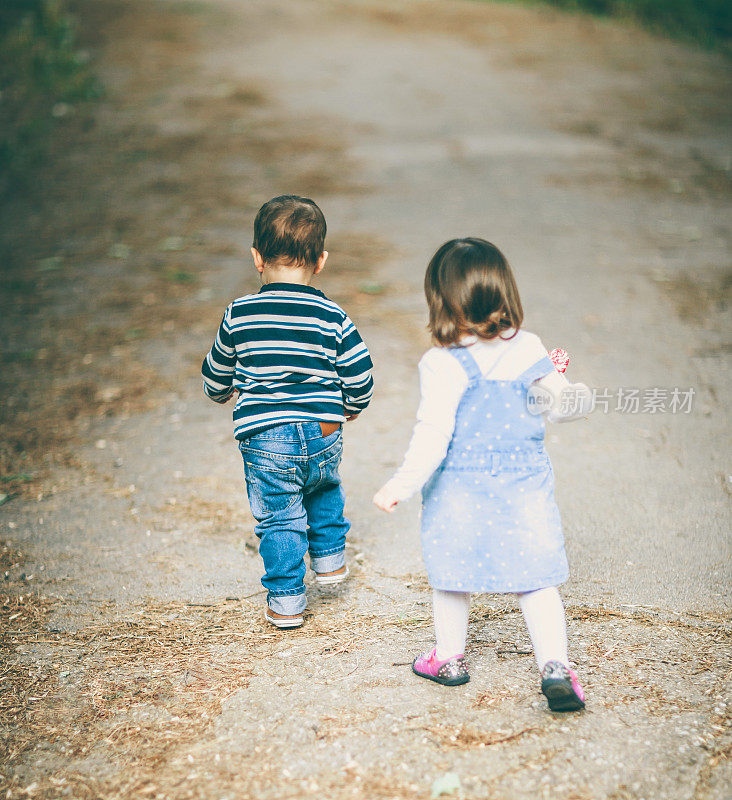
[385,499]
[351,417]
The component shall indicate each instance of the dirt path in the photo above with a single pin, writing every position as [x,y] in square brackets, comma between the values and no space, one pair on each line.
[137,658]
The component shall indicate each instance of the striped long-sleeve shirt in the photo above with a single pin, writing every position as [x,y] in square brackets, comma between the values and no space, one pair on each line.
[293,355]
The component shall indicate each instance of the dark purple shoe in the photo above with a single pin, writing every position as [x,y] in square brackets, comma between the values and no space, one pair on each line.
[451,672]
[561,687]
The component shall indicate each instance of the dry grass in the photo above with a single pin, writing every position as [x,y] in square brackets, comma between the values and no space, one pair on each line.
[648,170]
[117,245]
[463,737]
[139,691]
[147,686]
[637,92]
[23,684]
[212,517]
[714,625]
[73,314]
[356,254]
[696,296]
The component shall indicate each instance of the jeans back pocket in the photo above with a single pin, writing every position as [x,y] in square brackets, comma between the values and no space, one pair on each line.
[273,483]
[328,467]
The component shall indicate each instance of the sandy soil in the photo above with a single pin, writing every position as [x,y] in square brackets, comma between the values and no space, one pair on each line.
[136,661]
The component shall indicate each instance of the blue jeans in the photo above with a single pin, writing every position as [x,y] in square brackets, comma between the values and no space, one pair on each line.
[296,496]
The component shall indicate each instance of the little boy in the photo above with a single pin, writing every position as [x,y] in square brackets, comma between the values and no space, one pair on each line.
[301,369]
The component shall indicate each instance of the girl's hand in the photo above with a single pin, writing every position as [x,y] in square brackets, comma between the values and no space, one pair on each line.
[385,500]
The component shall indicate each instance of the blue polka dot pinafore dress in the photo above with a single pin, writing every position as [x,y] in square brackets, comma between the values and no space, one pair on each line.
[489,519]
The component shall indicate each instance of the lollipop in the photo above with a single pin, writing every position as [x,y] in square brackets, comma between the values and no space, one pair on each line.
[560,358]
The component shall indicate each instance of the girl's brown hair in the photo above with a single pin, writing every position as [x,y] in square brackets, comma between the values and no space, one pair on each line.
[470,289]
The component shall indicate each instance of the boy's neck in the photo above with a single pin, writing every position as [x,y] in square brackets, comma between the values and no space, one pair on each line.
[274,273]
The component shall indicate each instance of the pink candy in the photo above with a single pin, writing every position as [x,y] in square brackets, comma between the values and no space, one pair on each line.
[560,358]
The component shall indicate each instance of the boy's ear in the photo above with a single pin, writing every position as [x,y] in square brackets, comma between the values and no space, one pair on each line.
[258,260]
[321,262]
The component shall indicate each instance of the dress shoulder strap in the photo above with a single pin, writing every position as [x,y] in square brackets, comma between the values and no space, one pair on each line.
[467,362]
[544,366]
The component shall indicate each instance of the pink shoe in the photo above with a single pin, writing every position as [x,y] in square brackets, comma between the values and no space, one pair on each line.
[561,687]
[451,672]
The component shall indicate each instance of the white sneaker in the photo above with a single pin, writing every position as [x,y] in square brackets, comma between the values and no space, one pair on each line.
[332,580]
[294,621]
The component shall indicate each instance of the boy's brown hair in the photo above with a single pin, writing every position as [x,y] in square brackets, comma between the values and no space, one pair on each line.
[290,230]
[470,289]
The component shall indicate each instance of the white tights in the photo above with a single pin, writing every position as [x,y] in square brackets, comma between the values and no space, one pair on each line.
[543,613]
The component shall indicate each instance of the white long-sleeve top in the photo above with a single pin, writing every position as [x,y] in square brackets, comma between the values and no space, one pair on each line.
[443,382]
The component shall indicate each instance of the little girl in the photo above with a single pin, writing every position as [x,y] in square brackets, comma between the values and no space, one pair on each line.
[489,520]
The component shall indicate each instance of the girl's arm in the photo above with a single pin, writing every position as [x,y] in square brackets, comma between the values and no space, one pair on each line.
[571,401]
[442,383]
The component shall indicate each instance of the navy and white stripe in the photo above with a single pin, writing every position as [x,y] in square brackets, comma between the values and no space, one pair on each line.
[293,355]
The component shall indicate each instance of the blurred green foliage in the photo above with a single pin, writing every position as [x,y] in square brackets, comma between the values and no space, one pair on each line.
[42,76]
[708,22]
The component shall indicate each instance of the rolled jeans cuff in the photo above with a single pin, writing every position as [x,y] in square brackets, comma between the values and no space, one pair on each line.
[329,562]
[287,603]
